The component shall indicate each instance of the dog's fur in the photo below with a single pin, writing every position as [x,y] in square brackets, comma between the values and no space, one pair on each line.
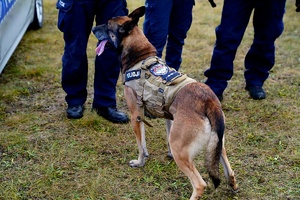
[199,121]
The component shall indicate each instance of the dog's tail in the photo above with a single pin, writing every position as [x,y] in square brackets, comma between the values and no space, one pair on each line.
[215,145]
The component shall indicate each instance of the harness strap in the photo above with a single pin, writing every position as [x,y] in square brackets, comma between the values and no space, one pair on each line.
[142,118]
[159,93]
[139,93]
[148,62]
[177,80]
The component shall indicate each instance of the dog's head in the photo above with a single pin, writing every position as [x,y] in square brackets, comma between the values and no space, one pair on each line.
[116,29]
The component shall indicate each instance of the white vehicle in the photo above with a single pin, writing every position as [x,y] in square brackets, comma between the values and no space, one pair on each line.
[16,16]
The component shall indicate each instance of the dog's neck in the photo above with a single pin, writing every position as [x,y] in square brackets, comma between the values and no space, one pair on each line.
[136,48]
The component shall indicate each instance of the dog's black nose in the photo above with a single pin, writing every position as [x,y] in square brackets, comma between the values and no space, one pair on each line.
[101,28]
[100,32]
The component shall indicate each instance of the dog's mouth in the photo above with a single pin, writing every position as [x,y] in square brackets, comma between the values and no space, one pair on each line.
[100,48]
[101,34]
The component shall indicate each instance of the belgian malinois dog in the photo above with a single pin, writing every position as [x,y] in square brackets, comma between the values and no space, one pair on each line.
[194,117]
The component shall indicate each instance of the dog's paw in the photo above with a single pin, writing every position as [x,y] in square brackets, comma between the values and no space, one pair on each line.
[136,163]
[145,152]
[170,155]
[234,191]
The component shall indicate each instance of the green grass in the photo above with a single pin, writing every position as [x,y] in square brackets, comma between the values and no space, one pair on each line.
[44,155]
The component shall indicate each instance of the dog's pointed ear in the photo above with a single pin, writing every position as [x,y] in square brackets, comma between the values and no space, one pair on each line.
[137,13]
[126,28]
[135,16]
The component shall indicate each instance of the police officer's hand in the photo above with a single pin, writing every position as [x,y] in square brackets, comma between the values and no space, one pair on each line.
[297,5]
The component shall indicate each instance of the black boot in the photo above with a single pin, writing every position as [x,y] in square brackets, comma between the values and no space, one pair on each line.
[256,92]
[75,112]
[112,114]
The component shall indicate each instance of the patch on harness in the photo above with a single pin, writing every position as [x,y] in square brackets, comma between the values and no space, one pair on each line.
[159,70]
[165,72]
[133,74]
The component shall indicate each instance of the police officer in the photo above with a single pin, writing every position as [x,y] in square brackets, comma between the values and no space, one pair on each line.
[297,4]
[75,20]
[268,26]
[167,23]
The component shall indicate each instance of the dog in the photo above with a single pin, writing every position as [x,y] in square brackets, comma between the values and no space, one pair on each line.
[194,117]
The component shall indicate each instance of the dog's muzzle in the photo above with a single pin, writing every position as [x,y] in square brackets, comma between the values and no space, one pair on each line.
[101,34]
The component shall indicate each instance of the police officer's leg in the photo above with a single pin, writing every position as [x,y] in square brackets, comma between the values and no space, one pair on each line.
[268,26]
[107,66]
[180,23]
[156,23]
[75,21]
[235,18]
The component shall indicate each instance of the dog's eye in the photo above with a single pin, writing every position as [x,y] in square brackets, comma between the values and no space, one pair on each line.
[112,35]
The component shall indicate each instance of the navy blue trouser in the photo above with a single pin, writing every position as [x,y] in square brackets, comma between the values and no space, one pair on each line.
[268,26]
[168,21]
[75,20]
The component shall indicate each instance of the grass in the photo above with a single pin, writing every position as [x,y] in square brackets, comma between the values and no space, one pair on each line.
[44,155]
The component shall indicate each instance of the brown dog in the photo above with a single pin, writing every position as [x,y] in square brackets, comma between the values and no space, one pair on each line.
[194,117]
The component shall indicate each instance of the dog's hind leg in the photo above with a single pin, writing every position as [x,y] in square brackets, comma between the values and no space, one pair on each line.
[186,141]
[138,128]
[229,173]
[185,163]
[168,128]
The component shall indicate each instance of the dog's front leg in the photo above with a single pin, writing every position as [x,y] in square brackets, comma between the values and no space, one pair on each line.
[138,127]
[168,128]
[141,142]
